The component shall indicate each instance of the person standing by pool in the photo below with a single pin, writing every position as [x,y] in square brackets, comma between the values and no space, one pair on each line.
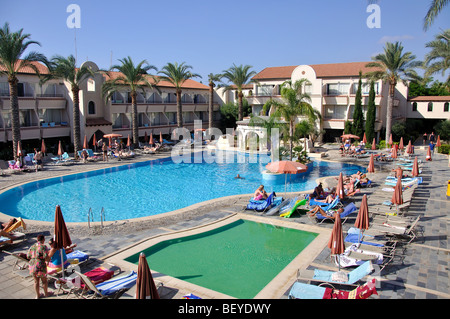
[431,137]
[105,152]
[38,256]
[424,138]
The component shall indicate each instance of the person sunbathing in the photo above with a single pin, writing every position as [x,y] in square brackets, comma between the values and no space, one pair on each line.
[260,193]
[329,213]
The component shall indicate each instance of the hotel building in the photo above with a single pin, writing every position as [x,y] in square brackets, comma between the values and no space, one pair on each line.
[332,90]
[46,109]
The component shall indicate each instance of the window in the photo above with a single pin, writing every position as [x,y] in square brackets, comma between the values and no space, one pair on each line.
[265,90]
[4,89]
[414,106]
[335,112]
[91,107]
[338,88]
[365,88]
[446,107]
[91,85]
[430,107]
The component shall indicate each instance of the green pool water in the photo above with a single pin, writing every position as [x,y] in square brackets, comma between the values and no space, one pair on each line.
[238,259]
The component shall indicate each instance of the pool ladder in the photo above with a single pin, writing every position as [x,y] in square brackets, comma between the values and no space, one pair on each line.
[90,216]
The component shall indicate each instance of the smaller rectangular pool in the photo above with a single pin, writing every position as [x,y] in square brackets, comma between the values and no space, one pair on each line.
[238,259]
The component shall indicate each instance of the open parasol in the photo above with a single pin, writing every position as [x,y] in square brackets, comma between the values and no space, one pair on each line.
[85,143]
[397,197]
[364,138]
[145,285]
[349,136]
[374,145]
[286,167]
[400,145]
[438,141]
[43,148]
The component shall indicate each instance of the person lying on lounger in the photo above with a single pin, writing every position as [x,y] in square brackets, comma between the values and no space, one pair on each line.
[329,213]
[260,193]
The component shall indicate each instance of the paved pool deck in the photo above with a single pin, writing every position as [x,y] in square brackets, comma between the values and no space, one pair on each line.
[421,271]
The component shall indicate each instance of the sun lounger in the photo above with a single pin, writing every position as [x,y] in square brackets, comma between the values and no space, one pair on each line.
[301,290]
[112,288]
[407,232]
[261,205]
[348,209]
[332,277]
[20,266]
[16,237]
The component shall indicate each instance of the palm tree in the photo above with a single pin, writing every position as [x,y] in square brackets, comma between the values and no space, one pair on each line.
[12,47]
[135,77]
[66,68]
[393,66]
[438,59]
[294,103]
[435,8]
[177,74]
[212,78]
[239,76]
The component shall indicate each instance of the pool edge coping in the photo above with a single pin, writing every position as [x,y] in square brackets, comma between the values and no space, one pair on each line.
[275,289]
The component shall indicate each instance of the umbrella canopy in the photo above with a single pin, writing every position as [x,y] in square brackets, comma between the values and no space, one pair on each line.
[112,135]
[62,238]
[428,157]
[146,137]
[438,141]
[374,145]
[151,140]
[397,197]
[145,286]
[286,167]
[394,152]
[371,167]
[336,242]
[400,145]
[43,148]
[415,168]
[19,149]
[160,138]
[362,220]
[94,140]
[340,187]
[60,150]
[390,140]
[409,148]
[128,141]
[398,172]
[85,143]
[349,136]
[364,138]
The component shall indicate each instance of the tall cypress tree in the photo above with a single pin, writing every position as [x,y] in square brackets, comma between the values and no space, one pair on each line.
[358,116]
[371,113]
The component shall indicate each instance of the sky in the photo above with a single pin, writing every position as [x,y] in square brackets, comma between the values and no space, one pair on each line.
[212,35]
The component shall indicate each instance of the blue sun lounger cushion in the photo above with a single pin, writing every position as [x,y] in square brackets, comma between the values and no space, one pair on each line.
[352,277]
[114,284]
[350,208]
[260,205]
[300,290]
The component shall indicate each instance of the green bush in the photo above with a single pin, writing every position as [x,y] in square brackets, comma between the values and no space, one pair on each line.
[444,149]
[382,144]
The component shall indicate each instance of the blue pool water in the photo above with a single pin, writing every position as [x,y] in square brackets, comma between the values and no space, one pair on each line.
[150,188]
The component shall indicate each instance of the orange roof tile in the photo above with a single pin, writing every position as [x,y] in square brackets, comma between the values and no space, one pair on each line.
[435,98]
[188,84]
[28,70]
[322,70]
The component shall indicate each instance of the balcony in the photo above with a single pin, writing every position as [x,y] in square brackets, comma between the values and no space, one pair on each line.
[261,99]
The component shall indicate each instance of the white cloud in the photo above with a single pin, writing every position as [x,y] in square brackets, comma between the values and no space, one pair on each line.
[395,38]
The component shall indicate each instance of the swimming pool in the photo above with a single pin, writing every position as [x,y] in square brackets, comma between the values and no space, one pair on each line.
[149,188]
[238,259]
